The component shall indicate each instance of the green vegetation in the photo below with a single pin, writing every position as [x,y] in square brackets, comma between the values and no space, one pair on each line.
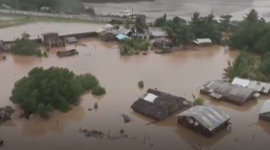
[141,84]
[252,37]
[130,47]
[24,46]
[5,113]
[198,101]
[54,88]
[181,32]
[98,91]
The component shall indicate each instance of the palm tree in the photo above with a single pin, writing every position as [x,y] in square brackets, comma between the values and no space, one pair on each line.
[229,72]
[195,17]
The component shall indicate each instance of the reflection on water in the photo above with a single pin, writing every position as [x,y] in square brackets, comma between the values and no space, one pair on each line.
[180,73]
[56,124]
[194,139]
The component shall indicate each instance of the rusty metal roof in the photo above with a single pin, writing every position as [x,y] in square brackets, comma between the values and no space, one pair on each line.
[208,116]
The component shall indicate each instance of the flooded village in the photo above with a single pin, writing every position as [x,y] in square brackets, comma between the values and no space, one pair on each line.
[158,115]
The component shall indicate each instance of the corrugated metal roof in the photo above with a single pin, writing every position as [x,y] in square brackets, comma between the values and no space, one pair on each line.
[150,97]
[255,86]
[122,37]
[266,107]
[242,82]
[208,116]
[233,93]
[203,41]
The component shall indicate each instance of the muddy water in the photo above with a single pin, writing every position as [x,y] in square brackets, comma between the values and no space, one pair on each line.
[180,73]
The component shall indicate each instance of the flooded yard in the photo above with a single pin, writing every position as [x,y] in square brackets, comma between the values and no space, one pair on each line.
[180,73]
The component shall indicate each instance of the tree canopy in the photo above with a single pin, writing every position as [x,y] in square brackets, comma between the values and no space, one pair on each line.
[181,32]
[251,36]
[24,46]
[54,88]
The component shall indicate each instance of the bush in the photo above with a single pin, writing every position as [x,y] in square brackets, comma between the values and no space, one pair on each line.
[45,54]
[198,101]
[98,91]
[24,46]
[54,88]
[141,84]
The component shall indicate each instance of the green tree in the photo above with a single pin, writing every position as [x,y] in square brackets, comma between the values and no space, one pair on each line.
[198,101]
[161,22]
[140,24]
[53,88]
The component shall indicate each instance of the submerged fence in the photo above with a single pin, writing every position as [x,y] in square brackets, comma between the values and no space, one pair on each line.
[66,16]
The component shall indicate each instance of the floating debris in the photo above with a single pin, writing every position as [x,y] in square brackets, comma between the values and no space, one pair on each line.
[145,53]
[96,106]
[89,109]
[1,142]
[236,140]
[127,119]
[253,137]
[100,135]
[92,133]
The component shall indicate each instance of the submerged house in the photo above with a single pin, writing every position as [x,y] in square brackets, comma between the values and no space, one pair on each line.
[71,40]
[51,40]
[158,105]
[206,120]
[229,92]
[162,43]
[261,87]
[265,111]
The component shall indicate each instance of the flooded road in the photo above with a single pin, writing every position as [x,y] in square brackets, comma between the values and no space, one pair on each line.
[180,73]
[183,8]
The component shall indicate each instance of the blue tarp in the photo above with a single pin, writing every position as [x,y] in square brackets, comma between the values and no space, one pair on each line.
[122,37]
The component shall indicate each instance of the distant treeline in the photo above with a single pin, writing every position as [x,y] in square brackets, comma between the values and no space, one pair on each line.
[115,1]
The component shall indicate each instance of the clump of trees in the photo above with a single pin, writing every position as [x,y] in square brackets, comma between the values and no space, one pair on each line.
[54,88]
[130,47]
[252,36]
[182,32]
[24,46]
[5,113]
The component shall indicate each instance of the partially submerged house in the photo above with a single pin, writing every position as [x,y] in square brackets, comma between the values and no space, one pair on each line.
[106,36]
[206,120]
[265,111]
[158,105]
[261,87]
[203,41]
[6,46]
[229,92]
[122,37]
[162,43]
[71,40]
[51,40]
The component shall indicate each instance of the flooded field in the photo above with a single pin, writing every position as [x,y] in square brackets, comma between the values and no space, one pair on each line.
[180,73]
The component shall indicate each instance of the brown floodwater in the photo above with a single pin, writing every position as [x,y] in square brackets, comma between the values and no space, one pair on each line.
[180,73]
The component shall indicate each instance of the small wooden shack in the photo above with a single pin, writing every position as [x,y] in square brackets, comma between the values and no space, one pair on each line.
[158,105]
[71,40]
[206,120]
[52,40]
